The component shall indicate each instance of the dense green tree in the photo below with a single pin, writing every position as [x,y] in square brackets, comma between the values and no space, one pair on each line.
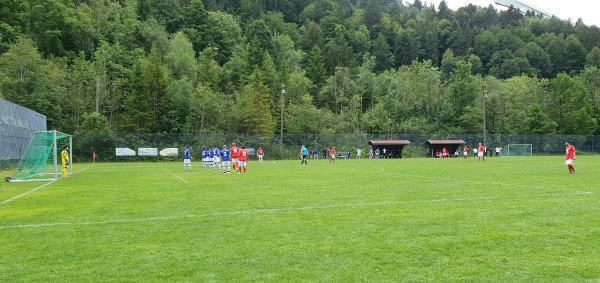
[485,46]
[593,58]
[195,20]
[297,86]
[504,64]
[250,10]
[538,121]
[366,82]
[51,23]
[378,120]
[576,54]
[475,62]
[145,104]
[236,69]
[312,36]
[152,33]
[384,58]
[94,122]
[567,100]
[557,50]
[372,13]
[20,73]
[537,58]
[590,78]
[81,82]
[581,122]
[338,90]
[285,57]
[177,98]
[259,34]
[351,66]
[315,66]
[510,17]
[304,117]
[444,11]
[209,71]
[180,58]
[207,112]
[167,12]
[360,40]
[464,90]
[338,54]
[407,47]
[448,64]
[223,32]
[255,106]
[446,36]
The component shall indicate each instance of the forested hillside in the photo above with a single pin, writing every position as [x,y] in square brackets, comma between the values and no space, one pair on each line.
[347,66]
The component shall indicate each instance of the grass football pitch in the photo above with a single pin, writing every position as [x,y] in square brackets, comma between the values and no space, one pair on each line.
[505,219]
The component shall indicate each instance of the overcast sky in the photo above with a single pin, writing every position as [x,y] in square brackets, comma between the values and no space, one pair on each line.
[588,10]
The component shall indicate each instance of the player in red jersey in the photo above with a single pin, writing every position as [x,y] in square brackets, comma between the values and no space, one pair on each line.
[466,151]
[234,151]
[570,156]
[333,153]
[243,160]
[444,152]
[260,153]
[481,152]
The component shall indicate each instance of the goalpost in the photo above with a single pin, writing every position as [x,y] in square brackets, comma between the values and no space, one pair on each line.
[43,158]
[518,150]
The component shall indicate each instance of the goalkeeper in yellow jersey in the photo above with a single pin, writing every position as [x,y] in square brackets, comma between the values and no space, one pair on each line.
[64,156]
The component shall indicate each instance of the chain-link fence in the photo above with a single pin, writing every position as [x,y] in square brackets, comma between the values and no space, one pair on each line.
[104,144]
[17,125]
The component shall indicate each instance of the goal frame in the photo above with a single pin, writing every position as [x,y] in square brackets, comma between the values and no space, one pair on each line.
[55,157]
[513,144]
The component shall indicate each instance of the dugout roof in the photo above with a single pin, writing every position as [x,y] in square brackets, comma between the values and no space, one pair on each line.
[389,142]
[445,142]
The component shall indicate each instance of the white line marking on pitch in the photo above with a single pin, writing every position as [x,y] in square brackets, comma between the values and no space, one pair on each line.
[274,210]
[181,179]
[36,188]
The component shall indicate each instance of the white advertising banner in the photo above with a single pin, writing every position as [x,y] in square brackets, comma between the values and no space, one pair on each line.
[169,152]
[123,151]
[147,151]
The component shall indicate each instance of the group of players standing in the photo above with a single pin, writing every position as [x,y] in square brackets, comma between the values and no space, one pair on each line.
[222,160]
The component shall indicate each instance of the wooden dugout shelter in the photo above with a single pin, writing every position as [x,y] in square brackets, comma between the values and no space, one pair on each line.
[393,148]
[434,146]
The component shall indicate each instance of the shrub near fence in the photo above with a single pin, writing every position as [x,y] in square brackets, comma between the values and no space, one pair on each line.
[105,143]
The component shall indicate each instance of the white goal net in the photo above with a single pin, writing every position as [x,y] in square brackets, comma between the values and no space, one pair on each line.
[518,150]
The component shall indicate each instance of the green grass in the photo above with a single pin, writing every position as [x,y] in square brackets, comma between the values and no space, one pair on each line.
[506,219]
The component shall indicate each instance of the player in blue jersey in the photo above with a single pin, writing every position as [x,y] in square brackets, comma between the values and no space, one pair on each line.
[225,160]
[216,158]
[304,153]
[209,157]
[187,158]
